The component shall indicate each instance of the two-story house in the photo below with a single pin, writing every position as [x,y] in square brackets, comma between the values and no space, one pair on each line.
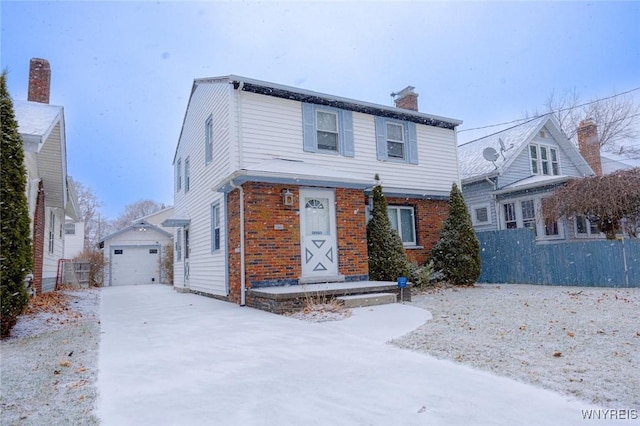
[506,176]
[272,184]
[42,129]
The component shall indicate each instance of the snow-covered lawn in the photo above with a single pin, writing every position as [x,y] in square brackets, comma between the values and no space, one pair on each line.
[582,341]
[49,365]
[170,358]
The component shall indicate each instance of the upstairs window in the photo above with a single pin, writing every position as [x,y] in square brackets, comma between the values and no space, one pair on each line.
[179,175]
[187,175]
[396,140]
[327,133]
[327,130]
[208,140]
[544,160]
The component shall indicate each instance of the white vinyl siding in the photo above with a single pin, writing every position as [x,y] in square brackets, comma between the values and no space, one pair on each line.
[272,128]
[207,270]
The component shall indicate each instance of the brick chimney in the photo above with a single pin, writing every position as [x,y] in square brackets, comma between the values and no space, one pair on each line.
[39,81]
[589,145]
[406,99]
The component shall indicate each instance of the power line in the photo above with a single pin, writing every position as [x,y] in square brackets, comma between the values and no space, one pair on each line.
[560,110]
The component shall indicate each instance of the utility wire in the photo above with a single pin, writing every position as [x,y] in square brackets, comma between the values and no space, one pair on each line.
[552,112]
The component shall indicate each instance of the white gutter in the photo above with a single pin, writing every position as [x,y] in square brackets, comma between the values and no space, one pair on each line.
[243,289]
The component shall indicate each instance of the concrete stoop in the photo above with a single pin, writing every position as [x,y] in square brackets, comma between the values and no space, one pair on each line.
[372,299]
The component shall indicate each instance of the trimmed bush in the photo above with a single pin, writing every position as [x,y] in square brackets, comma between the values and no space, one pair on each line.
[387,258]
[457,254]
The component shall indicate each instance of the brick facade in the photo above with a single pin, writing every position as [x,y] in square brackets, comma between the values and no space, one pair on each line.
[272,234]
[38,240]
[430,216]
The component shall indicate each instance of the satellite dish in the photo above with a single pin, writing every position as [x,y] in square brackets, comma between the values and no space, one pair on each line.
[490,154]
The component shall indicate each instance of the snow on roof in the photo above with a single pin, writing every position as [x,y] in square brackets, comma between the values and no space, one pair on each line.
[36,120]
[470,154]
[612,162]
[536,181]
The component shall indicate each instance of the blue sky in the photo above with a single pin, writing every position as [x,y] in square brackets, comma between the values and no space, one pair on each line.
[123,70]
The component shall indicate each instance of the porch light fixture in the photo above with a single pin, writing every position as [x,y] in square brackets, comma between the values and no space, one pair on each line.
[287,197]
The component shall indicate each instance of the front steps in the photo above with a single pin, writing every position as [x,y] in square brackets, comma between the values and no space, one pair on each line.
[292,298]
[361,300]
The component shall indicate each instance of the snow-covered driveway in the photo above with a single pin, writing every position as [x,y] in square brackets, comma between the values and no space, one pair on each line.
[180,359]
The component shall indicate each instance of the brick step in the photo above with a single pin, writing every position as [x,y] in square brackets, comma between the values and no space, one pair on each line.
[371,299]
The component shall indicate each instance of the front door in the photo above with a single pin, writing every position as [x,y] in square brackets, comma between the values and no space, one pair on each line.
[318,233]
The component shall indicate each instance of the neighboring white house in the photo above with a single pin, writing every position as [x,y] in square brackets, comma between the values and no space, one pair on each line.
[42,129]
[272,184]
[73,229]
[133,255]
[507,175]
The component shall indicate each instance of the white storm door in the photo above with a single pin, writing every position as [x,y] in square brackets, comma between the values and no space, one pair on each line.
[318,233]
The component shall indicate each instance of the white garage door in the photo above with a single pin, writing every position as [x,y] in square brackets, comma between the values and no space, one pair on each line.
[135,265]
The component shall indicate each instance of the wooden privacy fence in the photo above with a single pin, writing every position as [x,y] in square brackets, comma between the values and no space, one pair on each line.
[513,256]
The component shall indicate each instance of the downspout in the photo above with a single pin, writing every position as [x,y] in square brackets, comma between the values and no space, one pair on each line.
[243,289]
[239,124]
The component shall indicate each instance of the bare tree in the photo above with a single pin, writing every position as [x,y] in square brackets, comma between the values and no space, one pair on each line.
[135,211]
[90,209]
[610,200]
[617,118]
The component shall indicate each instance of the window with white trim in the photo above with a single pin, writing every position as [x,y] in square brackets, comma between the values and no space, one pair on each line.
[544,160]
[179,244]
[187,175]
[402,219]
[52,231]
[327,130]
[215,227]
[179,175]
[208,140]
[585,227]
[481,214]
[526,213]
[70,228]
[396,140]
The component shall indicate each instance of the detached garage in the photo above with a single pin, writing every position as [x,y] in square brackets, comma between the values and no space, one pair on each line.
[133,255]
